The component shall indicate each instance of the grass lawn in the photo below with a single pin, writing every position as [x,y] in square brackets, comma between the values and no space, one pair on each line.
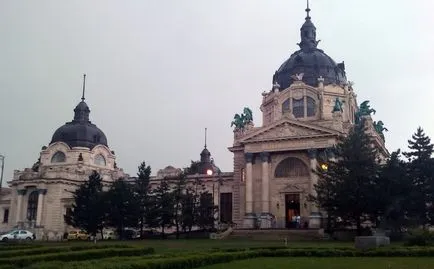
[329,263]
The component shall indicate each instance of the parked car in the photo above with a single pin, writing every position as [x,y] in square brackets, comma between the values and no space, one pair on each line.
[17,235]
[110,235]
[78,235]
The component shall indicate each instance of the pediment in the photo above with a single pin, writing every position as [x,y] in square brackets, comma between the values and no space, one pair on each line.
[292,188]
[289,129]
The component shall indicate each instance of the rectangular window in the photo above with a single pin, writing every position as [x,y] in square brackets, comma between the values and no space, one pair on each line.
[6,215]
[243,175]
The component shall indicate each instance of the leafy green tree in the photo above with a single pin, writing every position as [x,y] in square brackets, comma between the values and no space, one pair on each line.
[347,188]
[420,169]
[178,194]
[123,207]
[165,205]
[142,192]
[88,210]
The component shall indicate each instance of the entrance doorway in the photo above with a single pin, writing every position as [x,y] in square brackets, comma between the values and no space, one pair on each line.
[292,210]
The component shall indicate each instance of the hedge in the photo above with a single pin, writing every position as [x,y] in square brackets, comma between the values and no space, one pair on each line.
[53,249]
[76,255]
[202,259]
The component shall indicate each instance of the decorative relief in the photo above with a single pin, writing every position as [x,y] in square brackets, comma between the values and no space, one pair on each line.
[286,130]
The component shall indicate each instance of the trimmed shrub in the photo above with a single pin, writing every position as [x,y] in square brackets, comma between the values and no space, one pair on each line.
[76,256]
[53,249]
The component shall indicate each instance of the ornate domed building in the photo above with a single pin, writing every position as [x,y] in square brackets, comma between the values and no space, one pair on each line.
[309,105]
[39,196]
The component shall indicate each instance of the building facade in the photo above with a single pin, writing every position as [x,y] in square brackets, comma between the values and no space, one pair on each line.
[309,106]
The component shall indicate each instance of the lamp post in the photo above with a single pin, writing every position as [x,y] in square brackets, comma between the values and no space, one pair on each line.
[2,158]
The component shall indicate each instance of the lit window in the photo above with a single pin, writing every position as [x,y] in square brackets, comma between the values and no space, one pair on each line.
[58,157]
[100,160]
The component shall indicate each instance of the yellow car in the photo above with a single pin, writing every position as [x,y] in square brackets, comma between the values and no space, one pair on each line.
[78,235]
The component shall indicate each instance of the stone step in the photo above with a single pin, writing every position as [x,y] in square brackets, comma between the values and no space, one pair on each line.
[279,234]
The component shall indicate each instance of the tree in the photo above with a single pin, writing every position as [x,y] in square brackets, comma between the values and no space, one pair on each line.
[123,207]
[188,209]
[142,192]
[165,205]
[88,210]
[178,197]
[206,210]
[420,169]
[395,186]
[347,187]
[193,169]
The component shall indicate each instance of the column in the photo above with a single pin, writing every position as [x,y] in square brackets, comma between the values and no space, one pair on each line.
[249,220]
[315,216]
[265,156]
[41,195]
[20,193]
[249,183]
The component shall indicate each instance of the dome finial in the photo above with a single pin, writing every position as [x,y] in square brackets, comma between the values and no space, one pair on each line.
[84,86]
[307,11]
[205,137]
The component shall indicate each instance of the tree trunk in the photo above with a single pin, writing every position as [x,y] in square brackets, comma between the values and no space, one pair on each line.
[359,226]
[141,226]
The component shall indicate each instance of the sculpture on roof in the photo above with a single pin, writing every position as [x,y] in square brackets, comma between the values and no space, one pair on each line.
[240,121]
[364,110]
[379,128]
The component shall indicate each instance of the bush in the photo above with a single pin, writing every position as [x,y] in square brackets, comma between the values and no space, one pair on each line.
[201,259]
[420,237]
[76,255]
[53,249]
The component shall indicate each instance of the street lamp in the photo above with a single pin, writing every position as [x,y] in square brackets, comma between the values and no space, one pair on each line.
[209,172]
[2,158]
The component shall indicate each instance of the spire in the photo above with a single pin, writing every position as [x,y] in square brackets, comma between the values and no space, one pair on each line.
[84,86]
[308,32]
[205,137]
[82,111]
[307,11]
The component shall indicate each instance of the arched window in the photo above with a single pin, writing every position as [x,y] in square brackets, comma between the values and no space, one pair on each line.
[58,157]
[311,107]
[285,106]
[32,205]
[291,167]
[298,108]
[100,160]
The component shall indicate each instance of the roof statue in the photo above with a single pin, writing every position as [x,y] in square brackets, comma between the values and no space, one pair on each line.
[297,77]
[241,121]
[379,128]
[364,110]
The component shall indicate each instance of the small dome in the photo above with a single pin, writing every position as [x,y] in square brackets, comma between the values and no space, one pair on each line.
[80,132]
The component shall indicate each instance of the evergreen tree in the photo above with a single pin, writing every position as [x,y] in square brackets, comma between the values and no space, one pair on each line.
[347,187]
[123,207]
[206,210]
[178,197]
[395,185]
[88,210]
[193,169]
[420,170]
[143,193]
[188,209]
[165,205]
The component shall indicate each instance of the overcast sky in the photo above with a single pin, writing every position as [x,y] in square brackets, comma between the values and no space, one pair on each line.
[159,72]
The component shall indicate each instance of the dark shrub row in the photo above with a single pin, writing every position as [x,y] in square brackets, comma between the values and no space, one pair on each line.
[54,249]
[21,261]
[201,259]
[7,246]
